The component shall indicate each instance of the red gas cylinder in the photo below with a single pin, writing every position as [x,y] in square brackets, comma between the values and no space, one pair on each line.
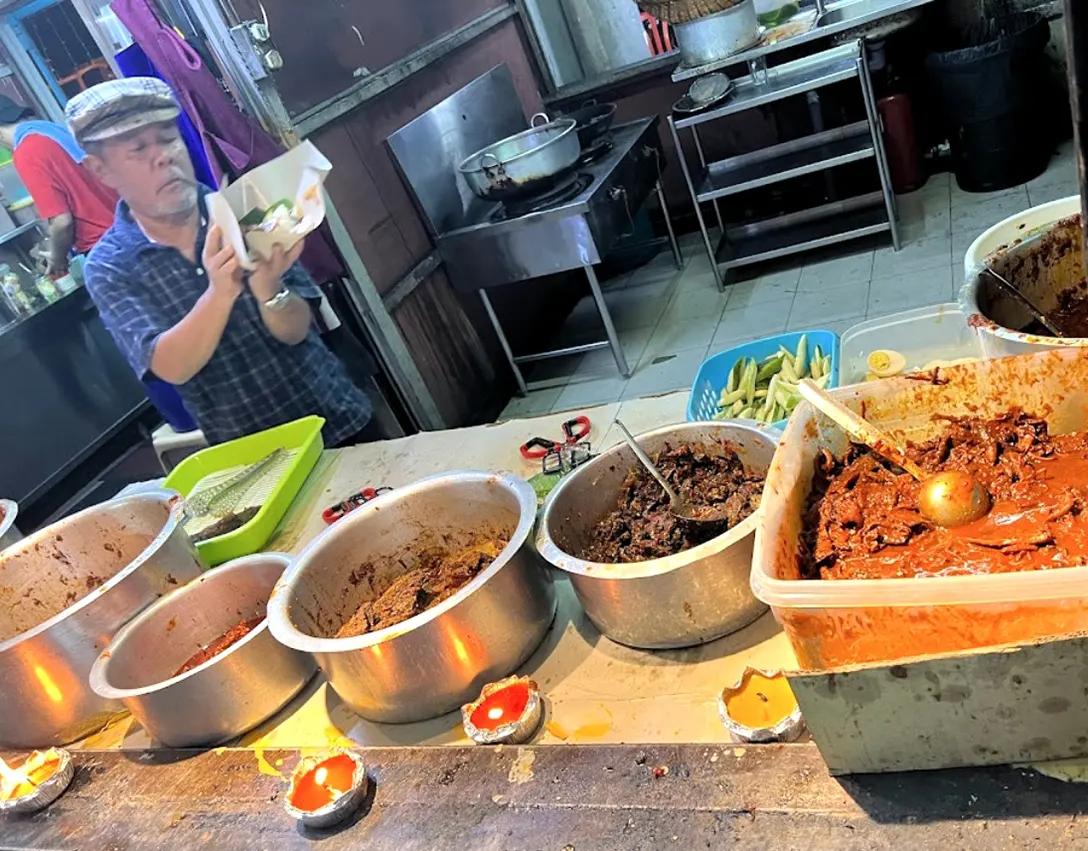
[900,143]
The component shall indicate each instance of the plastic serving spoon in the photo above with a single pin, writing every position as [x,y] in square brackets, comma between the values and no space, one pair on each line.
[951,498]
[678,506]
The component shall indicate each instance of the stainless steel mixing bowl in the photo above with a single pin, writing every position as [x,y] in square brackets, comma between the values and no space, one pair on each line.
[678,601]
[64,592]
[439,659]
[230,693]
[9,534]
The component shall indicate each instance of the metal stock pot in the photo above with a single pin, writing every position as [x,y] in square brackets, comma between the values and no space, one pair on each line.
[9,510]
[678,601]
[718,36]
[228,694]
[439,659]
[64,593]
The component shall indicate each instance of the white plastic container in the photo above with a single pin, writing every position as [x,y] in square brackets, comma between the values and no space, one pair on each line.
[1045,260]
[1017,227]
[843,622]
[938,332]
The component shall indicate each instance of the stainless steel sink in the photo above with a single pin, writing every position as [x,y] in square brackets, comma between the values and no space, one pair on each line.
[884,15]
[848,11]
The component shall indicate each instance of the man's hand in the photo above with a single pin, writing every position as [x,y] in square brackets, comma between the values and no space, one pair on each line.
[265,279]
[183,350]
[46,261]
[57,267]
[226,277]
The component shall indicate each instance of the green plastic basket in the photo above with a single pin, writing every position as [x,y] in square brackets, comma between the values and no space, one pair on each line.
[302,435]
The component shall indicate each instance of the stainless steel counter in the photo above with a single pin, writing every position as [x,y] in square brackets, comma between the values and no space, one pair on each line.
[671,61]
[597,691]
[836,18]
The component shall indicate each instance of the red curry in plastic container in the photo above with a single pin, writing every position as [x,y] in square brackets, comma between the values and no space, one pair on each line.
[855,574]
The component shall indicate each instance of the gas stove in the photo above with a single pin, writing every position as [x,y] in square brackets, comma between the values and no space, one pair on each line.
[572,226]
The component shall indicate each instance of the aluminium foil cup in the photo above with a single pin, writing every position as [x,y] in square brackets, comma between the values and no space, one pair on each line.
[786,730]
[514,732]
[46,792]
[337,810]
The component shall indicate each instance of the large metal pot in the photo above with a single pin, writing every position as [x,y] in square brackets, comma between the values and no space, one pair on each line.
[686,599]
[9,534]
[64,593]
[530,162]
[1042,265]
[434,662]
[230,693]
[718,36]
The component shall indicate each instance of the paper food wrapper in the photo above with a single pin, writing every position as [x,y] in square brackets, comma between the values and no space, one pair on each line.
[295,176]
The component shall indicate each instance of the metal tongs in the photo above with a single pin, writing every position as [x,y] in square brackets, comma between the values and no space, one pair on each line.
[221,499]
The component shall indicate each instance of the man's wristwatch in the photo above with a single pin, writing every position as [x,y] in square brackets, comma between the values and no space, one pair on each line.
[280,300]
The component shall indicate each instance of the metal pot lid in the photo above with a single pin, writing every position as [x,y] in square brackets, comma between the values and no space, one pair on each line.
[687,106]
[561,126]
[706,90]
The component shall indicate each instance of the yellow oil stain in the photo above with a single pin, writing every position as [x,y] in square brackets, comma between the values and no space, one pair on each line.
[522,769]
[220,751]
[595,729]
[253,739]
[336,738]
[557,730]
[111,736]
[264,766]
[279,762]
[1066,770]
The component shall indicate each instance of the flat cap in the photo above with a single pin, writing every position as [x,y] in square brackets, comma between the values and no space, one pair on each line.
[120,106]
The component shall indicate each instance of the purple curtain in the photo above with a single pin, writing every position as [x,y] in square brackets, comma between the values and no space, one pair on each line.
[234,143]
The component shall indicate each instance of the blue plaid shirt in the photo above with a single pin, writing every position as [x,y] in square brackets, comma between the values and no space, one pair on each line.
[253,381]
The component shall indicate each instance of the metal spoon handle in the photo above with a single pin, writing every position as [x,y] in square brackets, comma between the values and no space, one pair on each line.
[1012,290]
[860,430]
[647,463]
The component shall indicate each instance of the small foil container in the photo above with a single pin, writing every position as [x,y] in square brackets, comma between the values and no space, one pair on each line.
[513,732]
[786,730]
[48,791]
[337,810]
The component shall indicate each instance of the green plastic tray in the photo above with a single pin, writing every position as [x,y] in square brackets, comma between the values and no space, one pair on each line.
[303,435]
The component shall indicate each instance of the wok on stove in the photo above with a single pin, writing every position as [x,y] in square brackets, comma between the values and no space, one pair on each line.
[525,164]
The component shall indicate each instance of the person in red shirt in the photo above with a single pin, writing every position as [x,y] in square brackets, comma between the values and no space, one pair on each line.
[78,207]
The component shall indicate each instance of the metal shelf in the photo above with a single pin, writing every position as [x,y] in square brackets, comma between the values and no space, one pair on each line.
[760,227]
[783,81]
[784,241]
[781,162]
[821,151]
[19,231]
[816,32]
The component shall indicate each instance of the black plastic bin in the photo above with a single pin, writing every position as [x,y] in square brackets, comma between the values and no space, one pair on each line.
[993,99]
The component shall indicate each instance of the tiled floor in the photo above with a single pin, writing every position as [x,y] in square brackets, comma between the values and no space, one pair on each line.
[670,320]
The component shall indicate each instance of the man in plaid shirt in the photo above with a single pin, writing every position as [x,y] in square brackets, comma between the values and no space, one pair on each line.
[240,347]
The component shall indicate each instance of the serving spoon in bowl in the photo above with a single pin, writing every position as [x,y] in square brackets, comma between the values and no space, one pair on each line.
[1011,289]
[679,507]
[950,498]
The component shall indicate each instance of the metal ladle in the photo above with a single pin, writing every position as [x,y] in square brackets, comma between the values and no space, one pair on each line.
[1014,291]
[678,506]
[950,498]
